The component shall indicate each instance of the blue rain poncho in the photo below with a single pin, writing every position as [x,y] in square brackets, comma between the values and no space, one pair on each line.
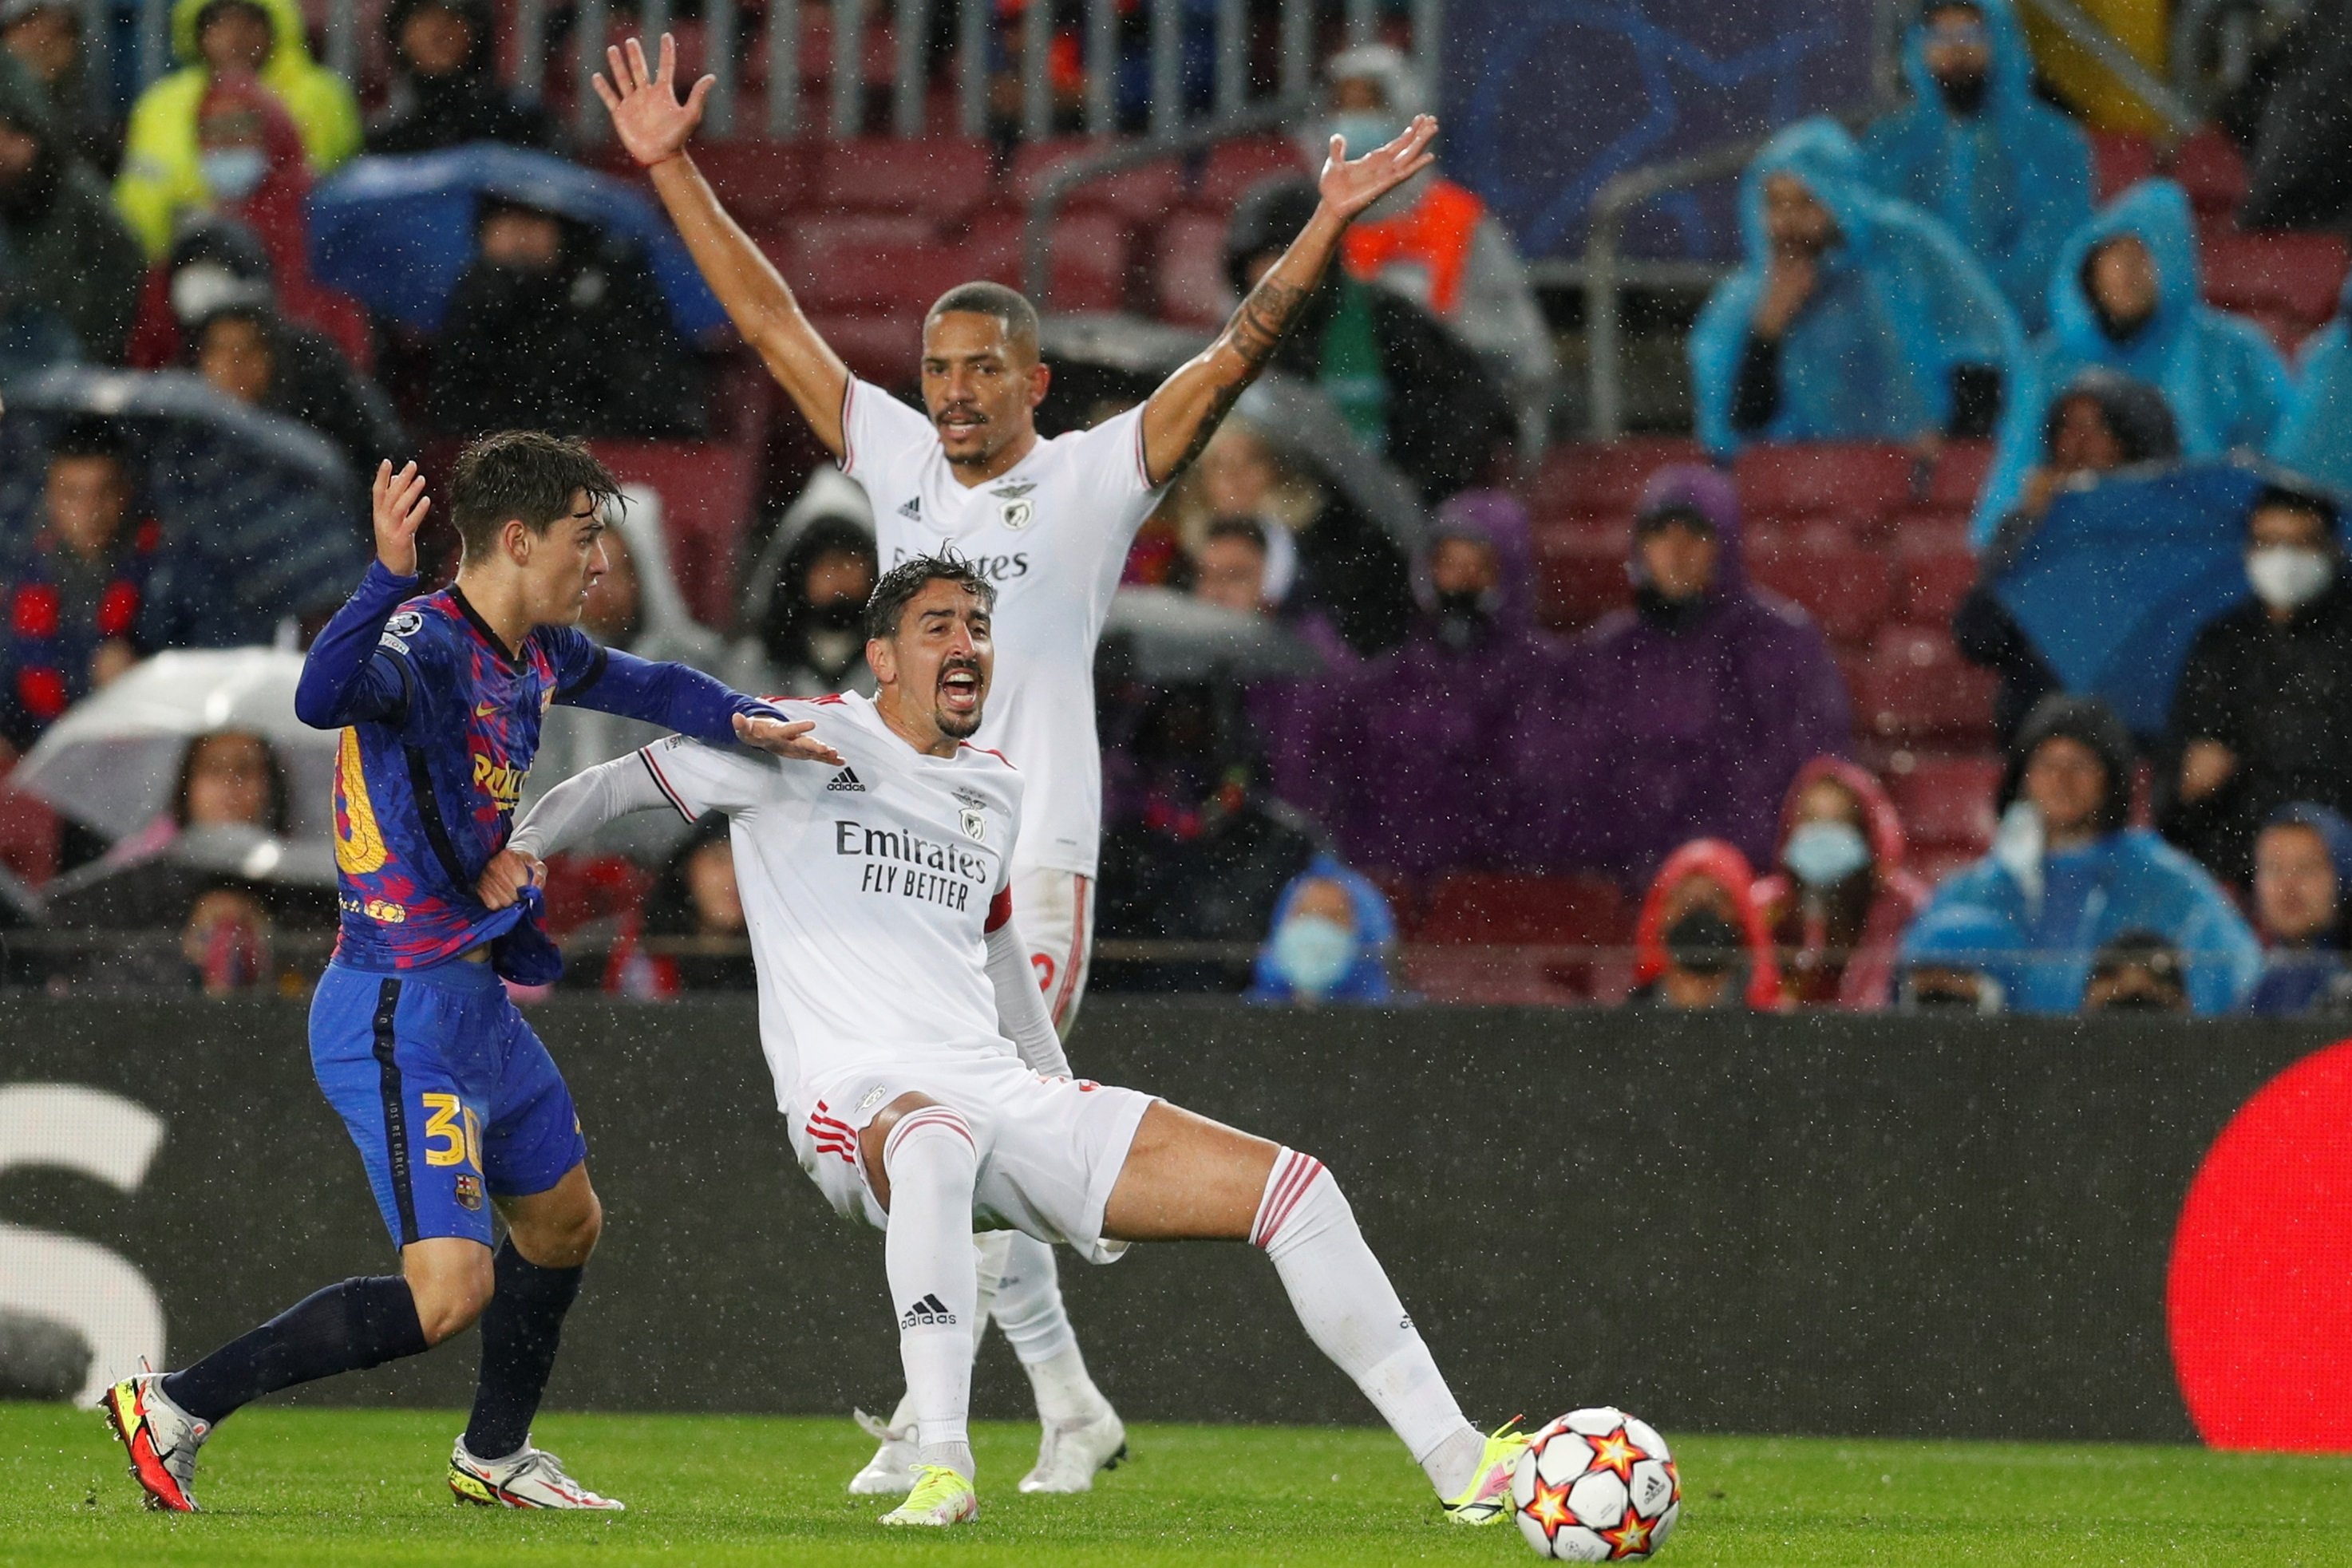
[1898,305]
[2316,440]
[2227,386]
[2011,181]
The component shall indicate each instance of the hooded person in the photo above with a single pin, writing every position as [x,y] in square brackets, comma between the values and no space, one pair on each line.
[2315,439]
[2125,296]
[72,254]
[2068,875]
[46,36]
[1430,786]
[248,352]
[1701,939]
[2008,176]
[1855,316]
[805,601]
[164,169]
[2263,715]
[1332,936]
[1410,390]
[2303,908]
[1842,897]
[218,261]
[1689,714]
[446,91]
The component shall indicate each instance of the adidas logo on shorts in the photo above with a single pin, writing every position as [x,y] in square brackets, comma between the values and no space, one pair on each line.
[929,1313]
[846,782]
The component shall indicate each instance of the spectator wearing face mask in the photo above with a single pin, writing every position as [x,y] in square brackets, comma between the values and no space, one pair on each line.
[1840,903]
[1688,714]
[689,937]
[2103,422]
[2303,882]
[2124,297]
[1962,957]
[72,254]
[1700,941]
[2315,440]
[1330,943]
[1854,317]
[2264,711]
[218,262]
[558,326]
[2008,176]
[808,597]
[166,169]
[2068,874]
[446,91]
[2139,972]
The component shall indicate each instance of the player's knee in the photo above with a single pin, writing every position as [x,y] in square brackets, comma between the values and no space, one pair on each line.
[1301,1198]
[566,1240]
[931,1148]
[449,1300]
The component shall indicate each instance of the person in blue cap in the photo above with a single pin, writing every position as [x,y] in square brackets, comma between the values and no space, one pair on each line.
[2303,871]
[1855,317]
[1961,955]
[2007,173]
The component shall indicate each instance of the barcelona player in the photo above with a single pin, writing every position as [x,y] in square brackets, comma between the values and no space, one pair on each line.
[455,1105]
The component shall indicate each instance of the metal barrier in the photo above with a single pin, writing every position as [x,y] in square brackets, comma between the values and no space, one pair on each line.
[727,28]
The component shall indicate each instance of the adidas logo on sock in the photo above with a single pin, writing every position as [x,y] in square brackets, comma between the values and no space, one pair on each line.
[929,1313]
[846,781]
[912,510]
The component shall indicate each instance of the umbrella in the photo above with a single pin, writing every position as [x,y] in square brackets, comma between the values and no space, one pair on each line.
[2123,574]
[1174,637]
[398,232]
[259,511]
[112,760]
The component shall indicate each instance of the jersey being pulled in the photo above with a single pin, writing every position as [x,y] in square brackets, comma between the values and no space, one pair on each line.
[424,801]
[868,890]
[1052,533]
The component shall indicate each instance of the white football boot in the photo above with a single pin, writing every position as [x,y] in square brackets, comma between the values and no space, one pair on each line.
[940,1498]
[1069,1453]
[532,1478]
[160,1437]
[891,1472]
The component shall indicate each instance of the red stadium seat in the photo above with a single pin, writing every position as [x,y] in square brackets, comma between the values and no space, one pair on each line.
[1808,479]
[2296,276]
[1189,269]
[28,835]
[1848,588]
[1581,571]
[878,54]
[1606,477]
[1140,195]
[2212,171]
[1936,569]
[903,279]
[706,492]
[1946,801]
[582,888]
[941,178]
[886,350]
[1486,908]
[1916,686]
[759,181]
[1235,166]
[820,227]
[1959,475]
[2120,160]
[1461,978]
[1089,252]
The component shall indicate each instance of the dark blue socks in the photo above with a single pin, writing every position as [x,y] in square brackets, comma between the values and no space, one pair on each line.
[520,1330]
[348,1327]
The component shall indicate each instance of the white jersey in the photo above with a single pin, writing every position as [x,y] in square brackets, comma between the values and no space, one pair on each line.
[869,889]
[1051,534]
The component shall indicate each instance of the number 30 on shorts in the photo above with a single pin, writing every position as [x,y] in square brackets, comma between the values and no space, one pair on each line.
[453,1135]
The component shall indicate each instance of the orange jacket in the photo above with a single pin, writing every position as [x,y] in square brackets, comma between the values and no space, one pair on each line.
[1435,234]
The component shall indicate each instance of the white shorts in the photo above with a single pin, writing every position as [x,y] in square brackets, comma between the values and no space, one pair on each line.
[1050,1148]
[1055,912]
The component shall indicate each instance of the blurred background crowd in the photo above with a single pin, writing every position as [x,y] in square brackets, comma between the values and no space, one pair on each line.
[1973,631]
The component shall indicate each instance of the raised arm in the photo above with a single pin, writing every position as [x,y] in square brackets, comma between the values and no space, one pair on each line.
[342,681]
[655,126]
[1185,411]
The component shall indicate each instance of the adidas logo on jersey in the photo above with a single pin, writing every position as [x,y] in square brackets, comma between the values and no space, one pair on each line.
[929,1313]
[846,782]
[912,510]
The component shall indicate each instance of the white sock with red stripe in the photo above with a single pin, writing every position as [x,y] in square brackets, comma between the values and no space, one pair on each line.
[934,1288]
[1350,1310]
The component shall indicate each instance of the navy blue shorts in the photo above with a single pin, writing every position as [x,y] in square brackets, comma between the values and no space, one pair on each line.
[448,1093]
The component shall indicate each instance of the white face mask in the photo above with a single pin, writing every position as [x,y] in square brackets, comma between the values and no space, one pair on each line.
[2287,577]
[233,173]
[1313,952]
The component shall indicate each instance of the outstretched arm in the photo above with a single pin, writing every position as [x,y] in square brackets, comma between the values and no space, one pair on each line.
[655,126]
[343,680]
[1187,409]
[565,815]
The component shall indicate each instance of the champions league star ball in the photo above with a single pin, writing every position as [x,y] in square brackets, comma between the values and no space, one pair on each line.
[1596,1486]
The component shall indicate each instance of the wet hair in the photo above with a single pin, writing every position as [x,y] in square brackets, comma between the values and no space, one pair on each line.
[273,815]
[2281,496]
[1011,308]
[909,577]
[521,473]
[93,435]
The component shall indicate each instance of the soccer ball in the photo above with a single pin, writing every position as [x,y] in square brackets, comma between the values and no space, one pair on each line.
[1596,1486]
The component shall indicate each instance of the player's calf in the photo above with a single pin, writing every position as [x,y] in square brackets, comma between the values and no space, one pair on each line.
[931,1163]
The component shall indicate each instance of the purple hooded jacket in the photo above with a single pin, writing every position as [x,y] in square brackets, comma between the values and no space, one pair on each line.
[1660,735]
[1413,750]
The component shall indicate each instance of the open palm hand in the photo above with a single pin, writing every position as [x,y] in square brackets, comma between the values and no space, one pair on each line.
[647,114]
[1349,186]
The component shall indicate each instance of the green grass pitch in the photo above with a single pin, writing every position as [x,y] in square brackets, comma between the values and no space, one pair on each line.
[356,1486]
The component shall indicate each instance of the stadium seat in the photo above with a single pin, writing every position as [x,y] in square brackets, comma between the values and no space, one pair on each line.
[1460,977]
[1915,687]
[2212,171]
[903,279]
[944,179]
[582,888]
[883,349]
[28,835]
[706,492]
[1140,195]
[1959,477]
[1946,801]
[816,227]
[761,181]
[1603,476]
[1497,909]
[2298,275]
[1845,587]
[1089,253]
[1189,269]
[2120,160]
[1234,167]
[1936,569]
[1581,571]
[1808,479]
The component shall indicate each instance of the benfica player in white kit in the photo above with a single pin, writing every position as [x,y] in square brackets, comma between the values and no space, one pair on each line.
[1049,523]
[894,992]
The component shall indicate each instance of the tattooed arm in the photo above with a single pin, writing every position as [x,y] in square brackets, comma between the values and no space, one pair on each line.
[1187,409]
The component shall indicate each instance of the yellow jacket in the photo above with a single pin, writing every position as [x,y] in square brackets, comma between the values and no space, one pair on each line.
[161,175]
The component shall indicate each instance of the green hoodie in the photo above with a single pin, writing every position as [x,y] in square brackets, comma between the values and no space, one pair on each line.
[161,174]
[78,257]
